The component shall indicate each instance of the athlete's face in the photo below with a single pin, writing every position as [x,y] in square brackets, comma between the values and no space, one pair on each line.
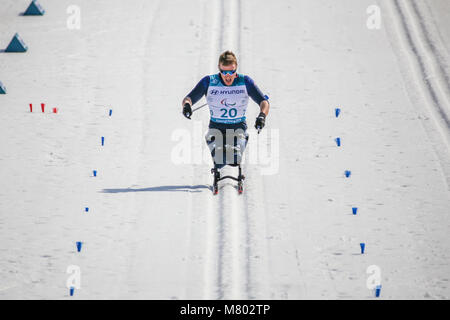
[228,78]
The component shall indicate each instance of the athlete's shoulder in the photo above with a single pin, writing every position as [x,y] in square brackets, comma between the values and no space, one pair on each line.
[248,80]
[204,82]
[214,79]
[205,79]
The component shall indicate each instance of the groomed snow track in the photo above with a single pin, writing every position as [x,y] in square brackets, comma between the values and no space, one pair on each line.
[154,230]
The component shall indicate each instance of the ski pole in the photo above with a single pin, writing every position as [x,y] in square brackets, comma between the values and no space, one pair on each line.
[199,107]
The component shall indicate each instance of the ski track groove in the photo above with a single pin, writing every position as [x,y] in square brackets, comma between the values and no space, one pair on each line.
[255,224]
[436,53]
[239,222]
[219,203]
[227,264]
[245,200]
[420,50]
[230,225]
[424,60]
[214,249]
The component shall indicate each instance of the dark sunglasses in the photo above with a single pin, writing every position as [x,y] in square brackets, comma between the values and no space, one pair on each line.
[227,72]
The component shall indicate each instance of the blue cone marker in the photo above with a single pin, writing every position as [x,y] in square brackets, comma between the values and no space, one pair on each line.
[86,209]
[348,173]
[354,210]
[337,111]
[110,112]
[338,141]
[95,173]
[378,291]
[363,246]
[79,244]
[103,141]
[72,289]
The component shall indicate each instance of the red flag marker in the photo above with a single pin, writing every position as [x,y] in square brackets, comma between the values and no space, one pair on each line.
[55,110]
[31,107]
[42,106]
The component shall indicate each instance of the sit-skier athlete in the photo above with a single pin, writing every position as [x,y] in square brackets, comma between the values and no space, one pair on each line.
[227,96]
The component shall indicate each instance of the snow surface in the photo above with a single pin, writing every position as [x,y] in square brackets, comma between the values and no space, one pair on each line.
[154,230]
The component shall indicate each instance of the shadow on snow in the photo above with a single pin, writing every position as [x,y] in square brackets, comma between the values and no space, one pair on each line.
[186,188]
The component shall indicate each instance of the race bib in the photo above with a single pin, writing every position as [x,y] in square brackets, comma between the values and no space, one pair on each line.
[227,104]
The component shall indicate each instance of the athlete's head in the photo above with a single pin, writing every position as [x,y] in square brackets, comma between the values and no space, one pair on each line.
[228,66]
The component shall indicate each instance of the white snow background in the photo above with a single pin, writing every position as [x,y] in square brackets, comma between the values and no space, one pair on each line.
[154,230]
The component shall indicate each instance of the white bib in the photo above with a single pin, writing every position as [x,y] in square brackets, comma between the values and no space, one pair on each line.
[227,104]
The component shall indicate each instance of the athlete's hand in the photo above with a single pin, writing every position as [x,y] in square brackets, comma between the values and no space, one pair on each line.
[187,110]
[260,121]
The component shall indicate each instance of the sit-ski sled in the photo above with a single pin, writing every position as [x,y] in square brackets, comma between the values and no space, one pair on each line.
[230,155]
[240,179]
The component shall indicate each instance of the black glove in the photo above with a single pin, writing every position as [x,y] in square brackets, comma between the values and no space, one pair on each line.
[260,121]
[187,110]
